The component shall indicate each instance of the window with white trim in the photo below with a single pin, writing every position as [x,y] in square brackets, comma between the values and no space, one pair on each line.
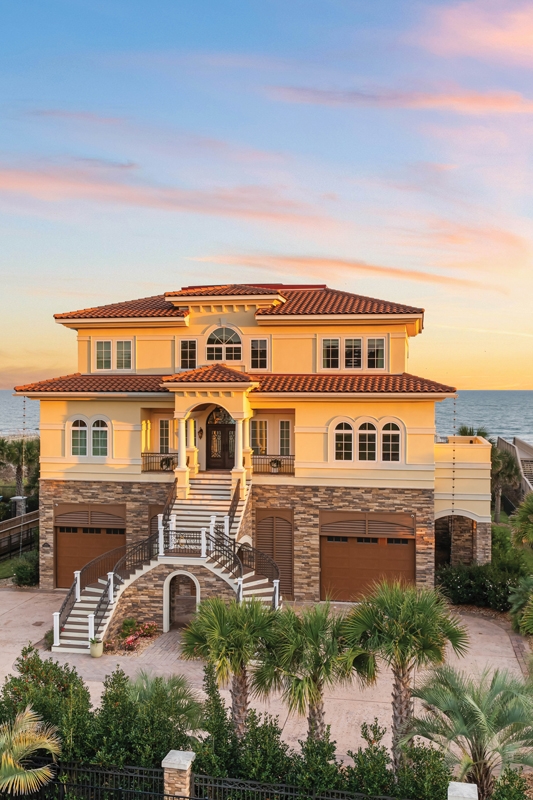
[367,442]
[188,354]
[79,438]
[164,435]
[330,353]
[375,358]
[259,436]
[224,344]
[353,353]
[258,354]
[284,437]
[343,442]
[390,442]
[99,438]
[112,354]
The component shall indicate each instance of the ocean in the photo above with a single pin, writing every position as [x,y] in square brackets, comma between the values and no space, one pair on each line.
[503,413]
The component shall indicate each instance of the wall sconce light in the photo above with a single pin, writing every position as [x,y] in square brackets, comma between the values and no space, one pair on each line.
[200,433]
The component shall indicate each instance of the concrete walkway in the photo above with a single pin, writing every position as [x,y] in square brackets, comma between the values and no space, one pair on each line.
[25,616]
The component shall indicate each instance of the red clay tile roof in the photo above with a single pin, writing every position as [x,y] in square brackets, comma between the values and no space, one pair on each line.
[155,306]
[309,301]
[219,373]
[227,289]
[332,301]
[96,383]
[364,384]
[214,373]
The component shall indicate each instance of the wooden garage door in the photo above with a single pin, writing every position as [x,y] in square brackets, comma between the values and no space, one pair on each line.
[358,549]
[83,533]
[274,536]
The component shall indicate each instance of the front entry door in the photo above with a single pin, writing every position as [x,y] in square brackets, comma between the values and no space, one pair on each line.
[220,446]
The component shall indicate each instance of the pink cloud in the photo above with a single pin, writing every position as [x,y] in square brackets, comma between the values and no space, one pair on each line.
[481,29]
[317,267]
[459,102]
[59,184]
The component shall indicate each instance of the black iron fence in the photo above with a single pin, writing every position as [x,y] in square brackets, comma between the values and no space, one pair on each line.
[18,542]
[274,465]
[206,786]
[159,462]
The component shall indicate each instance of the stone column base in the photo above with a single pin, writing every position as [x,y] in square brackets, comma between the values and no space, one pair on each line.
[177,776]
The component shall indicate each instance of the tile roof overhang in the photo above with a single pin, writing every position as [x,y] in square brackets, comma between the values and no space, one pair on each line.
[231,292]
[309,386]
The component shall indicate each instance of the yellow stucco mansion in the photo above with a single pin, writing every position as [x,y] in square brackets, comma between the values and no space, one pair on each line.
[296,402]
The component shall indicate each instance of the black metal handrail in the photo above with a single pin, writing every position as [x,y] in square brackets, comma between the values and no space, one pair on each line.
[169,503]
[234,504]
[218,547]
[257,561]
[158,462]
[273,464]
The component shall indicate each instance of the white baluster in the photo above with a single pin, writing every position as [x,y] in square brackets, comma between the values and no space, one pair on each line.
[78,585]
[111,588]
[276,593]
[172,536]
[239,590]
[90,620]
[203,553]
[226,525]
[212,530]
[57,631]
[161,532]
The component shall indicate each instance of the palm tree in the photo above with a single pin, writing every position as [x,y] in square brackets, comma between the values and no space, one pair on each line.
[181,703]
[229,635]
[468,430]
[522,522]
[408,628]
[23,455]
[307,653]
[19,741]
[505,473]
[484,724]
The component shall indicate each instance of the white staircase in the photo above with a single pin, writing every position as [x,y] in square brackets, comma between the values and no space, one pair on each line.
[210,495]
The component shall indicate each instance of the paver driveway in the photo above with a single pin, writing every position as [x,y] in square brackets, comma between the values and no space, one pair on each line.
[346,707]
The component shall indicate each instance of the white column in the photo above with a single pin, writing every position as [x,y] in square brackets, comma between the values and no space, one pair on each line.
[90,620]
[56,628]
[190,423]
[238,443]
[246,433]
[203,553]
[111,595]
[161,534]
[182,447]
[78,585]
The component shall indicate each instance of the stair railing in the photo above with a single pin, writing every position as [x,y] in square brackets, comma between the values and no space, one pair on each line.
[234,505]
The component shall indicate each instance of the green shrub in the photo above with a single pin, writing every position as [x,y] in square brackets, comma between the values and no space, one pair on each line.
[26,569]
[315,768]
[216,753]
[129,626]
[424,774]
[114,724]
[371,772]
[57,694]
[262,755]
[483,585]
[49,639]
[518,599]
[511,785]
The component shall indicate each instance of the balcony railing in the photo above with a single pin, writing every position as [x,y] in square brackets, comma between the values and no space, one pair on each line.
[273,465]
[159,462]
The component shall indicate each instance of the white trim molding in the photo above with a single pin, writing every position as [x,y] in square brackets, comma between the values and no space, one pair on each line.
[166,595]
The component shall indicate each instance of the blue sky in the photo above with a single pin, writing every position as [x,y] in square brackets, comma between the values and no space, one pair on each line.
[382,148]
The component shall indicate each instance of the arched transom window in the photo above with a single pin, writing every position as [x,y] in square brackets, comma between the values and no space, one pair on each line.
[390,442]
[79,437]
[367,442]
[224,344]
[343,442]
[99,438]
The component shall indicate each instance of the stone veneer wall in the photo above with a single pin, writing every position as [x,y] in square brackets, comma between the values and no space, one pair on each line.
[308,501]
[471,542]
[246,527]
[143,599]
[137,497]
[483,543]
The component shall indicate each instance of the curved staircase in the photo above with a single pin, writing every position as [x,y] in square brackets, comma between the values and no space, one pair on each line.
[186,530]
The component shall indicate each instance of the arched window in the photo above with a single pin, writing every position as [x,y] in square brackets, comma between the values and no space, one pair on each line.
[99,438]
[390,442]
[224,345]
[79,438]
[343,442]
[367,442]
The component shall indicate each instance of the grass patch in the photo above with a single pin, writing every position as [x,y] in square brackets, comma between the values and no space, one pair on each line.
[7,568]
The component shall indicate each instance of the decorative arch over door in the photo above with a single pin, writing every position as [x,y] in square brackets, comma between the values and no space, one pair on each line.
[220,445]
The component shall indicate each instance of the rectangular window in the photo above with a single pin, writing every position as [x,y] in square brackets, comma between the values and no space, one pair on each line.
[376,354]
[397,541]
[79,442]
[352,354]
[367,446]
[124,355]
[233,352]
[284,437]
[391,447]
[164,435]
[259,354]
[343,445]
[99,441]
[366,540]
[68,529]
[188,354]
[92,530]
[259,436]
[103,355]
[115,531]
[330,354]
[214,352]
[337,538]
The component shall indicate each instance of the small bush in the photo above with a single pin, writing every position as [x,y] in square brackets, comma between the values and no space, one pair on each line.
[26,569]
[49,639]
[518,599]
[483,585]
[129,626]
[372,769]
[147,629]
[262,755]
[424,774]
[511,785]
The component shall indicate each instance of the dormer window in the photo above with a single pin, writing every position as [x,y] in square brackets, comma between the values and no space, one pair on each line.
[110,354]
[376,354]
[224,344]
[103,355]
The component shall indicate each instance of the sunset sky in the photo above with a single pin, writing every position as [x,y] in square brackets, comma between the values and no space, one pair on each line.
[384,148]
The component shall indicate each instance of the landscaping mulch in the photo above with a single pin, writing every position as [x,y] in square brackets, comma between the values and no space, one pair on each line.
[143,644]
